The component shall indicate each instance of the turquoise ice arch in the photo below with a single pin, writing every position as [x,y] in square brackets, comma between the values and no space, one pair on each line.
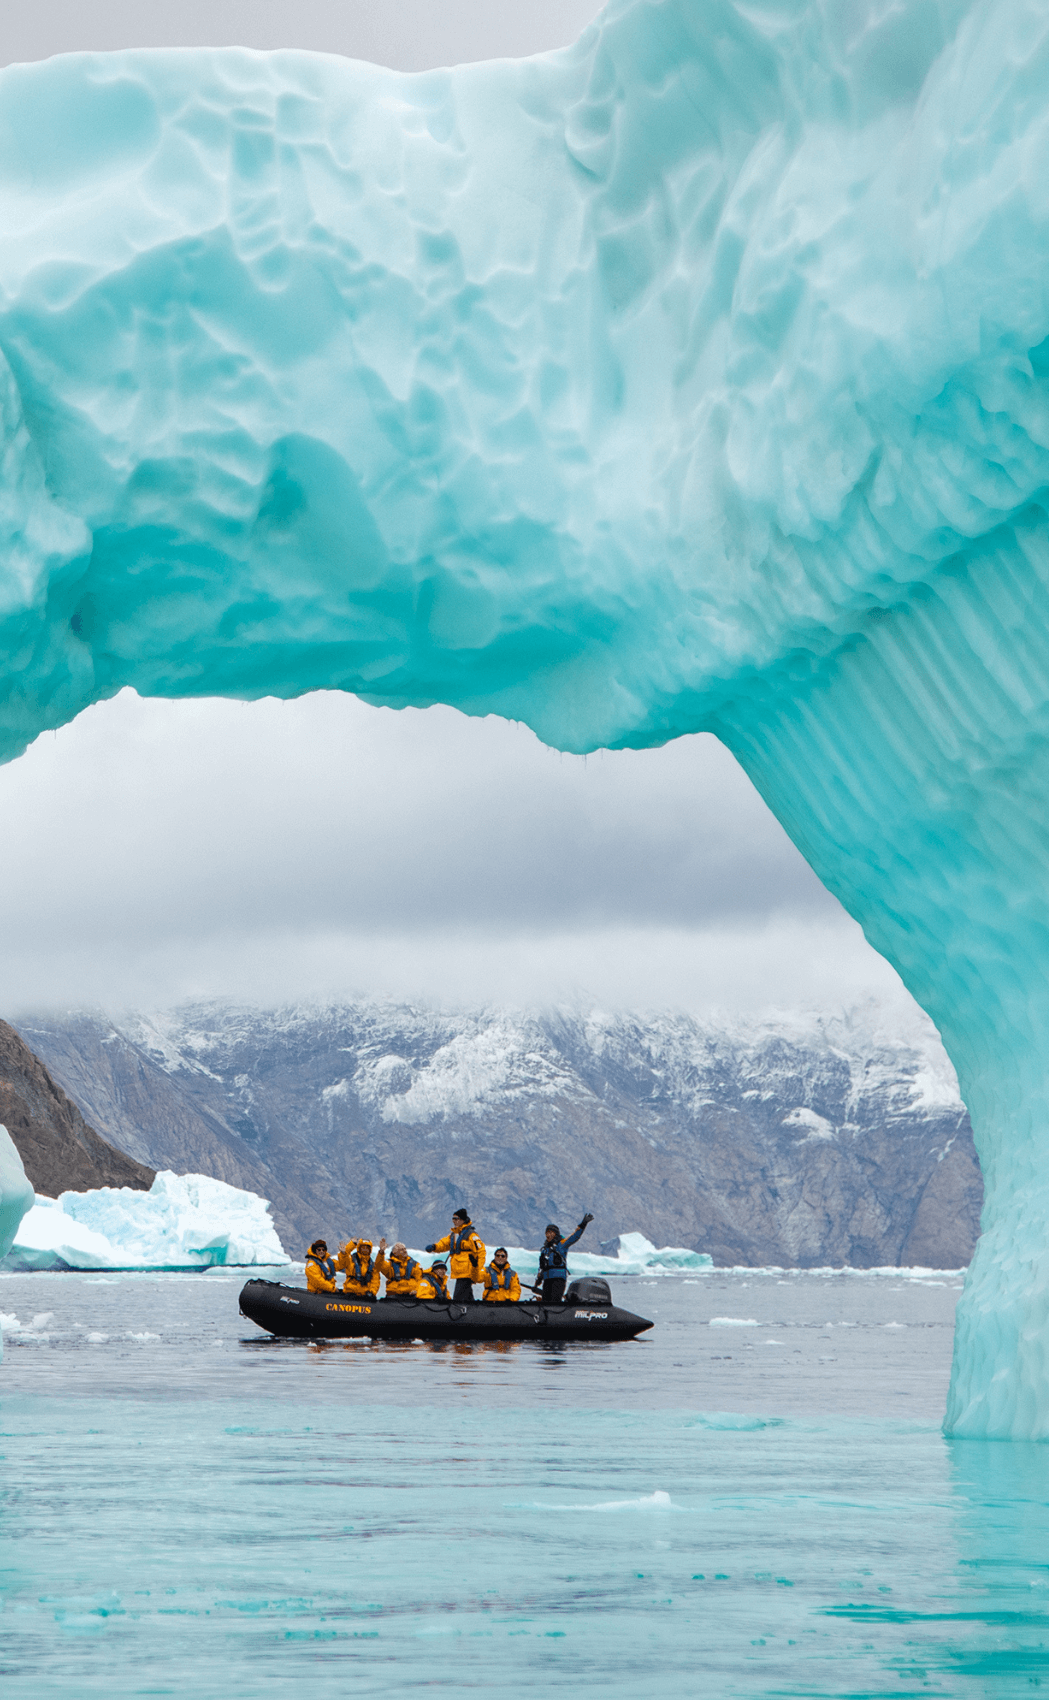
[695,377]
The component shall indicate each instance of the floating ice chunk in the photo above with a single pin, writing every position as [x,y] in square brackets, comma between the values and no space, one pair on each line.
[734,1322]
[182,1222]
[658,1501]
[635,1249]
[35,1330]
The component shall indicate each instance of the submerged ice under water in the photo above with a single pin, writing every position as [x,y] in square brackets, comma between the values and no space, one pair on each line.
[766,1509]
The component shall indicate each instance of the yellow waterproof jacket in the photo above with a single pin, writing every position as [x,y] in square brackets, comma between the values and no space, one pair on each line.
[320,1273]
[432,1284]
[362,1270]
[467,1253]
[401,1277]
[502,1286]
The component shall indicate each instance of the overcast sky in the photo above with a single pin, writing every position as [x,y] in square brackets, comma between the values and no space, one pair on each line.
[155,851]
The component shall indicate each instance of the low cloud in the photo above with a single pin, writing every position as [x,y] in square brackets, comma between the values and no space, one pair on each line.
[160,850]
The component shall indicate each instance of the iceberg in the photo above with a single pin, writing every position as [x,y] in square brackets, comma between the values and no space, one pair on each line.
[182,1222]
[16,1197]
[16,1194]
[636,1255]
[695,377]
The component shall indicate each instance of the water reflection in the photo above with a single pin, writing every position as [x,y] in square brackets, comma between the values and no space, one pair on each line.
[1002,1491]
[548,1358]
[1002,1497]
[976,1617]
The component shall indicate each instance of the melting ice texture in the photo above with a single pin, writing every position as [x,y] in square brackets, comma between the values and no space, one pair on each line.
[182,1222]
[696,377]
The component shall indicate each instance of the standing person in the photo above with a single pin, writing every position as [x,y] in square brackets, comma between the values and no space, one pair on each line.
[553,1264]
[320,1268]
[433,1283]
[501,1283]
[467,1256]
[401,1272]
[362,1269]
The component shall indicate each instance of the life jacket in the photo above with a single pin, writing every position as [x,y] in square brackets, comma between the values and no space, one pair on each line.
[552,1260]
[440,1287]
[407,1271]
[326,1265]
[458,1242]
[361,1280]
[500,1277]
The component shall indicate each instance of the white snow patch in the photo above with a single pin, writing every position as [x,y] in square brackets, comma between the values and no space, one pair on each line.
[492,1061]
[816,1127]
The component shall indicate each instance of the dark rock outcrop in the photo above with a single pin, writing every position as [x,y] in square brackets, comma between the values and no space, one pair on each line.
[799,1145]
[59,1151]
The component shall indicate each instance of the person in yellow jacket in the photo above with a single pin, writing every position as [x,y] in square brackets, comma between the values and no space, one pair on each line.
[467,1256]
[401,1271]
[362,1269]
[433,1283]
[501,1283]
[320,1268]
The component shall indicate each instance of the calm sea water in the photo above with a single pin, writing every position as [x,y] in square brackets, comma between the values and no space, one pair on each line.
[754,1499]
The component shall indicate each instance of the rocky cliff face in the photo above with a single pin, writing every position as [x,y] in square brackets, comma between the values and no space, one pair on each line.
[58,1149]
[797,1144]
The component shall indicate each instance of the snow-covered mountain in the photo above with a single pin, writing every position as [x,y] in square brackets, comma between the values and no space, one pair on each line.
[800,1141]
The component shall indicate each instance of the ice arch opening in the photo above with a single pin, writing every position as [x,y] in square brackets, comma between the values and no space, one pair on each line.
[695,377]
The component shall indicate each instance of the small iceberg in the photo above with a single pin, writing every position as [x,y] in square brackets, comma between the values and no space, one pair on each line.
[635,1256]
[638,1256]
[182,1222]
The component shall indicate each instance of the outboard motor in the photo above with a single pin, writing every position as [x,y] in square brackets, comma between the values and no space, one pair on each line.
[588,1290]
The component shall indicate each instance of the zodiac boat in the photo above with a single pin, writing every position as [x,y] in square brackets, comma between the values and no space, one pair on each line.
[585,1313]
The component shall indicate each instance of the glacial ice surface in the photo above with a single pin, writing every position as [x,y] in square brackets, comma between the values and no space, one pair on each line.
[182,1222]
[16,1194]
[695,377]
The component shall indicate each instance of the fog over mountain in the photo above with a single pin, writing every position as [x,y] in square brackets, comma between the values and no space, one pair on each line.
[796,1142]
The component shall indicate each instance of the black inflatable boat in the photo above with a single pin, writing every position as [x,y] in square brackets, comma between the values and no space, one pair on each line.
[586,1313]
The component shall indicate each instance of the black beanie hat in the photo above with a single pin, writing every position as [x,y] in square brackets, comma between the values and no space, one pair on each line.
[552,1228]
